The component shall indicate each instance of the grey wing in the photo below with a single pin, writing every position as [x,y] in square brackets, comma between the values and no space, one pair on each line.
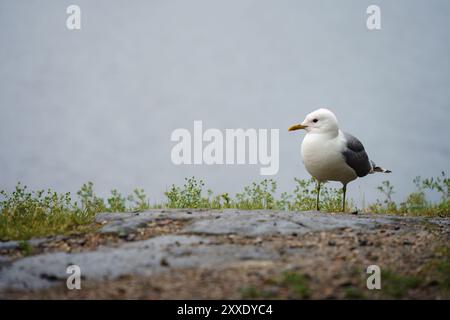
[355,156]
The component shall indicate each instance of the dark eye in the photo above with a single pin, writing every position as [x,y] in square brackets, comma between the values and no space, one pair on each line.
[315,120]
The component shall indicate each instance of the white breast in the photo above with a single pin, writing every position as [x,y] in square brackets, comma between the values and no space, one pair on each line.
[323,159]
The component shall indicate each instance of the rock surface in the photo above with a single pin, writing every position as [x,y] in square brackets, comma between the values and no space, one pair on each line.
[204,239]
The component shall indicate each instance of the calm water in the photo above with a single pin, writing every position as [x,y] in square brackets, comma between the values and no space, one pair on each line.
[100,104]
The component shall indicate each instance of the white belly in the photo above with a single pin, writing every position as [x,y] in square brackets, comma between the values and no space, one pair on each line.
[323,158]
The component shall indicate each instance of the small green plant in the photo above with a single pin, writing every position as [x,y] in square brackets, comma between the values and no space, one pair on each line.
[138,200]
[416,203]
[258,196]
[188,196]
[387,205]
[116,202]
[26,248]
[89,201]
[305,194]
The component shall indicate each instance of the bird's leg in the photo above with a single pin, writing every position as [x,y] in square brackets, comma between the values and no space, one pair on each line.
[344,189]
[318,196]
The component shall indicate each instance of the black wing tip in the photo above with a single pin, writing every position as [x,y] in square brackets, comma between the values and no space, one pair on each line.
[380,169]
[376,168]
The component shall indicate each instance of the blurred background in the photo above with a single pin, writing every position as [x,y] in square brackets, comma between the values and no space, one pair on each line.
[100,104]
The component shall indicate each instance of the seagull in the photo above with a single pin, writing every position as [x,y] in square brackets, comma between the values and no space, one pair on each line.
[330,154]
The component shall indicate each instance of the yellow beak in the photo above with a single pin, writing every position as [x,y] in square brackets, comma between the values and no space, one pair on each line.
[297,127]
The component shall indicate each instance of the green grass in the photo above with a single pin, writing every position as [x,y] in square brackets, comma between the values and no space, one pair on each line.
[289,283]
[262,196]
[443,269]
[25,214]
[297,284]
[254,293]
[354,293]
[416,204]
[396,285]
[39,213]
[438,268]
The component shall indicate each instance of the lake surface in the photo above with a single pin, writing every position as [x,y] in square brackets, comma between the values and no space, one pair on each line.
[99,104]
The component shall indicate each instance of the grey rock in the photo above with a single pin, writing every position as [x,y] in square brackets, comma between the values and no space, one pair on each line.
[126,223]
[141,258]
[192,248]
[14,244]
[253,223]
[9,245]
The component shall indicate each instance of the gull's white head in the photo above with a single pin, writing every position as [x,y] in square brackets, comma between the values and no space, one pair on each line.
[319,121]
